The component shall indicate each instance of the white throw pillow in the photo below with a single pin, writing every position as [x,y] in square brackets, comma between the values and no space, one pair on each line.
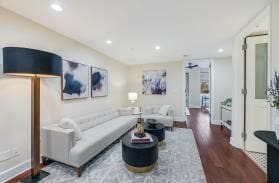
[68,123]
[148,110]
[164,110]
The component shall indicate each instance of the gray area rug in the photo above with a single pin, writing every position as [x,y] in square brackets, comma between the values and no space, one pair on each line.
[179,162]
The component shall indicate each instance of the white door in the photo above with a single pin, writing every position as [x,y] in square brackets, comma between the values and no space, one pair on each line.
[256,82]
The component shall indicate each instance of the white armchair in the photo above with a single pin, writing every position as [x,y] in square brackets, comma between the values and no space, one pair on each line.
[163,114]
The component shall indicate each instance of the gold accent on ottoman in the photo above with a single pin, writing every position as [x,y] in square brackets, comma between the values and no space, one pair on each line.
[161,143]
[143,169]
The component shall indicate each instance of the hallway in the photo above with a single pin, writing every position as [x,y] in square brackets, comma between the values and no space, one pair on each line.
[221,162]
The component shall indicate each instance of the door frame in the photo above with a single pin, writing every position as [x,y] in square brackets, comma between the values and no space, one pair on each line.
[263,18]
[187,92]
[244,90]
[185,64]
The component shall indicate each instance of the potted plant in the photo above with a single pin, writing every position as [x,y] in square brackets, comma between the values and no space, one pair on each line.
[273,99]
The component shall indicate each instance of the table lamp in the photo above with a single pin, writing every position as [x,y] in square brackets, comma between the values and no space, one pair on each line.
[34,64]
[133,96]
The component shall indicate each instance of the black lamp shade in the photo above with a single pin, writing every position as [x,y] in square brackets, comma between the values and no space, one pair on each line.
[26,61]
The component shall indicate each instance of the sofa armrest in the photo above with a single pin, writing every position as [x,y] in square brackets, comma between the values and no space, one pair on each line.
[171,113]
[57,142]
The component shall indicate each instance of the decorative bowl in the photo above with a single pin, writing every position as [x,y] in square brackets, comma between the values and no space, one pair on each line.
[152,123]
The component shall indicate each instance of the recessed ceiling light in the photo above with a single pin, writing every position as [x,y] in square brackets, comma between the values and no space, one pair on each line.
[56,7]
[108,41]
[157,47]
[220,50]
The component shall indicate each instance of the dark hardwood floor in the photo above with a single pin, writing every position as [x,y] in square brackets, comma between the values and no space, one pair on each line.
[177,124]
[222,163]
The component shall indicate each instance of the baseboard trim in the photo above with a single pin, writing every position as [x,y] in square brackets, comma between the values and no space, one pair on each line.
[195,106]
[180,118]
[236,143]
[15,171]
[232,142]
[216,122]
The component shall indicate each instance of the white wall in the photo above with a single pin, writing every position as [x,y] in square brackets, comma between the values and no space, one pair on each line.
[15,91]
[194,87]
[222,84]
[174,85]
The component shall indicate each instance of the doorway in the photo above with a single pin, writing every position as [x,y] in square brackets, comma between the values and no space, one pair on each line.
[197,86]
[256,110]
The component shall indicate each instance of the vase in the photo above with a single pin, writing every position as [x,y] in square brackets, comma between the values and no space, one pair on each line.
[276,123]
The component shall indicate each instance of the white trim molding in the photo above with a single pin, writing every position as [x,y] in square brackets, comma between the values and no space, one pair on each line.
[180,118]
[235,143]
[14,171]
[216,122]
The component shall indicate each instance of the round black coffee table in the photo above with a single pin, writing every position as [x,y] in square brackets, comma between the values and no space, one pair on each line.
[139,158]
[158,131]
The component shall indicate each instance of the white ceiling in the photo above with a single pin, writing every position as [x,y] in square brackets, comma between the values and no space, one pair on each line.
[197,28]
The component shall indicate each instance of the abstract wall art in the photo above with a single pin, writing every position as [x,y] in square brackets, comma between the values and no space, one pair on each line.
[154,82]
[99,82]
[75,81]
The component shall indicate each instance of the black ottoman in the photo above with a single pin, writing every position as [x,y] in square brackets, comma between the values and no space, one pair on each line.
[158,131]
[139,158]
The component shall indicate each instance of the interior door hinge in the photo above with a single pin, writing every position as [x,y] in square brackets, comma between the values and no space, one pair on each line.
[244,136]
[244,91]
[244,47]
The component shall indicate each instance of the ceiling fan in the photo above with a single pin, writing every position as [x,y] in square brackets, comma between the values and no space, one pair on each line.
[190,66]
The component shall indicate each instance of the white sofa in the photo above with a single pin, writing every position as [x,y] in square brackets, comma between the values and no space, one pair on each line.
[98,131]
[153,113]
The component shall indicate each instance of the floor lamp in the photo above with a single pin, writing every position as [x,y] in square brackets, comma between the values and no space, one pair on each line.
[34,64]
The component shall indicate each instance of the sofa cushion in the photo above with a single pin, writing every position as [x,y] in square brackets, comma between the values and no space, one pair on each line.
[156,109]
[67,123]
[97,138]
[92,120]
[125,111]
[148,110]
[164,110]
[165,120]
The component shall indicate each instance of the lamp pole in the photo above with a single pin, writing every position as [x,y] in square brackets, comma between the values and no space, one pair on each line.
[35,125]
[31,62]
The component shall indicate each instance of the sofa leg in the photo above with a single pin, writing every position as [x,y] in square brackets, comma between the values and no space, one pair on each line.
[44,160]
[79,170]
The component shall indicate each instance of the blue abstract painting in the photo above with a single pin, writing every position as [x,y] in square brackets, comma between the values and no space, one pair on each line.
[154,82]
[75,80]
[99,82]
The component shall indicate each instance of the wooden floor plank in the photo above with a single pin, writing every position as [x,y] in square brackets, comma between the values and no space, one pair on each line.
[222,162]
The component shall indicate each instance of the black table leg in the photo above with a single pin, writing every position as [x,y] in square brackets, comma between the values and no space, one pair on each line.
[272,164]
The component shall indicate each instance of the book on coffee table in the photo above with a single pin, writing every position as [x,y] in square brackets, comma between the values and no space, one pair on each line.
[146,139]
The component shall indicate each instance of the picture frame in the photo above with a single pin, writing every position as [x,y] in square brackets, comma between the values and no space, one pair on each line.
[74,80]
[154,82]
[99,82]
